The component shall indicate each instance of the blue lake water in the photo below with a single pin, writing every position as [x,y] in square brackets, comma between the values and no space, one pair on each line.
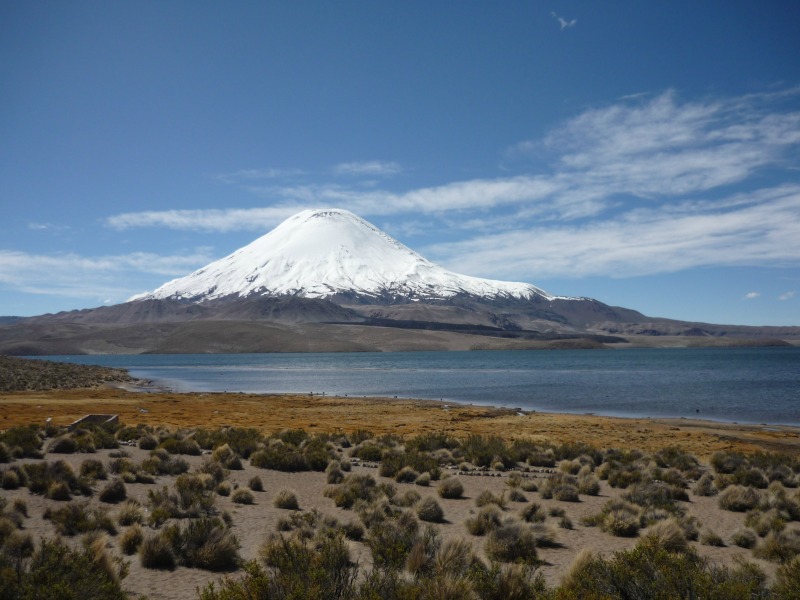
[748,385]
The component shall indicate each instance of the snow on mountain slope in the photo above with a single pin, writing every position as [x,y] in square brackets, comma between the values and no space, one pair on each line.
[320,253]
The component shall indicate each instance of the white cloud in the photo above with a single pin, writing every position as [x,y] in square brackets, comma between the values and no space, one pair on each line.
[645,185]
[787,295]
[79,276]
[563,22]
[372,168]
[206,220]
[647,241]
[751,295]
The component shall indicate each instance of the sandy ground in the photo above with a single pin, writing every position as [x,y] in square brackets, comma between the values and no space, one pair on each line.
[253,523]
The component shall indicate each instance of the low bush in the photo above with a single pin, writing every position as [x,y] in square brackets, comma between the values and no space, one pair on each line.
[355,486]
[334,473]
[256,484]
[744,538]
[424,479]
[155,552]
[512,542]
[705,486]
[225,456]
[429,510]
[487,519]
[130,513]
[667,534]
[243,496]
[738,498]
[204,543]
[287,500]
[486,497]
[711,538]
[114,492]
[75,518]
[280,457]
[450,488]
[131,539]
[787,580]
[779,547]
[391,540]
[533,513]
[650,571]
[93,469]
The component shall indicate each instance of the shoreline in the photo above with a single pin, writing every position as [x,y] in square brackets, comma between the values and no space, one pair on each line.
[402,416]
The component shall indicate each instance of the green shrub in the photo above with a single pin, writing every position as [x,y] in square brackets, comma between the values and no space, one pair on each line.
[450,488]
[406,475]
[429,510]
[23,442]
[356,486]
[63,445]
[787,580]
[227,457]
[739,498]
[148,442]
[561,486]
[93,469]
[705,486]
[114,492]
[327,572]
[533,513]
[75,518]
[650,571]
[130,513]
[10,480]
[155,552]
[391,540]
[779,547]
[488,518]
[486,497]
[334,473]
[280,458]
[744,538]
[58,572]
[205,543]
[243,496]
[512,542]
[710,538]
[131,539]
[287,500]
[59,490]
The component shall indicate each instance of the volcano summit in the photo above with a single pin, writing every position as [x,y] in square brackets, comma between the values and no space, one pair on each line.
[333,254]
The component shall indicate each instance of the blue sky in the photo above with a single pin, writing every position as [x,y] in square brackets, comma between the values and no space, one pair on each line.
[646,154]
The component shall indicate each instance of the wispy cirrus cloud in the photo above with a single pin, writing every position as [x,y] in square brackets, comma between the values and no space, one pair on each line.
[647,241]
[786,295]
[221,220]
[563,22]
[79,276]
[751,295]
[647,184]
[370,168]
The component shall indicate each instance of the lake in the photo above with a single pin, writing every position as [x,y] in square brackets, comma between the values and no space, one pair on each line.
[747,385]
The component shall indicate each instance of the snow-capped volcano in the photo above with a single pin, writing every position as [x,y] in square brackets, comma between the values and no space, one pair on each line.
[324,253]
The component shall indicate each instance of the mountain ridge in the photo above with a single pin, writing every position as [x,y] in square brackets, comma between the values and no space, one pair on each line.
[326,281]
